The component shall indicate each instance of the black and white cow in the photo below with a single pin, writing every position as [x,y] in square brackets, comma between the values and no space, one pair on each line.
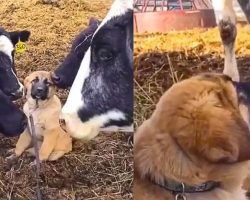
[65,74]
[12,120]
[226,19]
[102,93]
[9,83]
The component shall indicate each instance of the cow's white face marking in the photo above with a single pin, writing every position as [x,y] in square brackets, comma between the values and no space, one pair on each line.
[7,47]
[74,100]
[89,129]
[74,125]
[118,8]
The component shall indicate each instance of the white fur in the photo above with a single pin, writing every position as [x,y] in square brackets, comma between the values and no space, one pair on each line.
[7,47]
[230,64]
[74,101]
[91,128]
[118,8]
[127,129]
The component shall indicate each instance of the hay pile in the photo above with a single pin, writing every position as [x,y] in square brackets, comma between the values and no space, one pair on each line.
[99,170]
[163,59]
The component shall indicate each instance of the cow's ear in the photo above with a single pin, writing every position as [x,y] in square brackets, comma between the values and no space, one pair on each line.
[19,35]
[94,22]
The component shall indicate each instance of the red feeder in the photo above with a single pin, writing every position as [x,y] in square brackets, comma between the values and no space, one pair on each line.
[166,15]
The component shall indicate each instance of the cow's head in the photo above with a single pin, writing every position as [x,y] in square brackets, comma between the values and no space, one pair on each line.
[12,120]
[102,92]
[9,83]
[65,74]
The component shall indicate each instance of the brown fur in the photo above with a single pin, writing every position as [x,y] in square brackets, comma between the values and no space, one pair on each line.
[196,134]
[54,142]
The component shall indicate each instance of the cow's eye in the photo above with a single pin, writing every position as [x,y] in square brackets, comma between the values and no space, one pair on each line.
[105,54]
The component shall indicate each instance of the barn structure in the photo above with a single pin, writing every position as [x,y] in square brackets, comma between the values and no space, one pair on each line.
[167,15]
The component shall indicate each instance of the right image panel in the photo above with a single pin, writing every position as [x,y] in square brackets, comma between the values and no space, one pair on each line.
[192,100]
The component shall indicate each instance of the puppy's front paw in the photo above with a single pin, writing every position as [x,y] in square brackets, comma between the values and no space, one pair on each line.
[10,152]
[11,159]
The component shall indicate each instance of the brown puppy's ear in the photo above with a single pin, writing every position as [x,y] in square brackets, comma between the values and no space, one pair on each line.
[225,136]
[221,151]
[26,82]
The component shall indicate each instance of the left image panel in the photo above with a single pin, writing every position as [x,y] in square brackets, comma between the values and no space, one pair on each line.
[66,99]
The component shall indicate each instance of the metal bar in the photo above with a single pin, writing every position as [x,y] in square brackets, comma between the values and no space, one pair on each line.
[155,6]
[181,5]
[146,6]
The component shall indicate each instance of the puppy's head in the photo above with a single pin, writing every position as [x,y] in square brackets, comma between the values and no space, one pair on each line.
[38,86]
[216,128]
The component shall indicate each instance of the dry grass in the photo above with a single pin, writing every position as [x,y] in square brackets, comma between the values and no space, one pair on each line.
[163,59]
[101,169]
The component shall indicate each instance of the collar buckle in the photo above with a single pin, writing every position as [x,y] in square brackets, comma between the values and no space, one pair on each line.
[181,196]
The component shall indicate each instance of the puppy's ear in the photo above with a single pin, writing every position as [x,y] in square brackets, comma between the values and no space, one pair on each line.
[224,137]
[26,82]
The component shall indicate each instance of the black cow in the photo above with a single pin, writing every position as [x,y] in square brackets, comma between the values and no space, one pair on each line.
[12,120]
[65,74]
[102,93]
[9,83]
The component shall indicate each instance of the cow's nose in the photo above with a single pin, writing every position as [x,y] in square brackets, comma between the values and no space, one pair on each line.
[62,123]
[55,78]
[17,95]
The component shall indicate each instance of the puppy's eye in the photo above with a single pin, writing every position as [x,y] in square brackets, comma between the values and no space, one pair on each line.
[47,82]
[104,54]
[35,80]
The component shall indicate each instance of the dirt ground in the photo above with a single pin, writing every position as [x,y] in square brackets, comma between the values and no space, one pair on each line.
[101,169]
[163,59]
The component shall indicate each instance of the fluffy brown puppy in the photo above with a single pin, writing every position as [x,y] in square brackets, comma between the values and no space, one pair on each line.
[196,144]
[45,108]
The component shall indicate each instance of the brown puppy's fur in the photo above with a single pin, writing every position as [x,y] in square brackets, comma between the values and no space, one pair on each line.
[54,142]
[196,134]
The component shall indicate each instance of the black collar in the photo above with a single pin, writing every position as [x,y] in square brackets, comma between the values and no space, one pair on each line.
[177,187]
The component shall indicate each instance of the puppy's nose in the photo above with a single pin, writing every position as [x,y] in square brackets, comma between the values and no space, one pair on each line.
[62,123]
[55,78]
[39,89]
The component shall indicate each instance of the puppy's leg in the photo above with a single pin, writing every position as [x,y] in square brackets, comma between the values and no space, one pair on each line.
[23,143]
[63,145]
[55,155]
[64,142]
[31,151]
[48,145]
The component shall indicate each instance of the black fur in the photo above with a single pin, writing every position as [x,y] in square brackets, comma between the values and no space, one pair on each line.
[243,91]
[65,74]
[12,120]
[245,5]
[110,83]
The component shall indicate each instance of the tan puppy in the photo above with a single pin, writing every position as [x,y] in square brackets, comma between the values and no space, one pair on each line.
[196,144]
[45,107]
